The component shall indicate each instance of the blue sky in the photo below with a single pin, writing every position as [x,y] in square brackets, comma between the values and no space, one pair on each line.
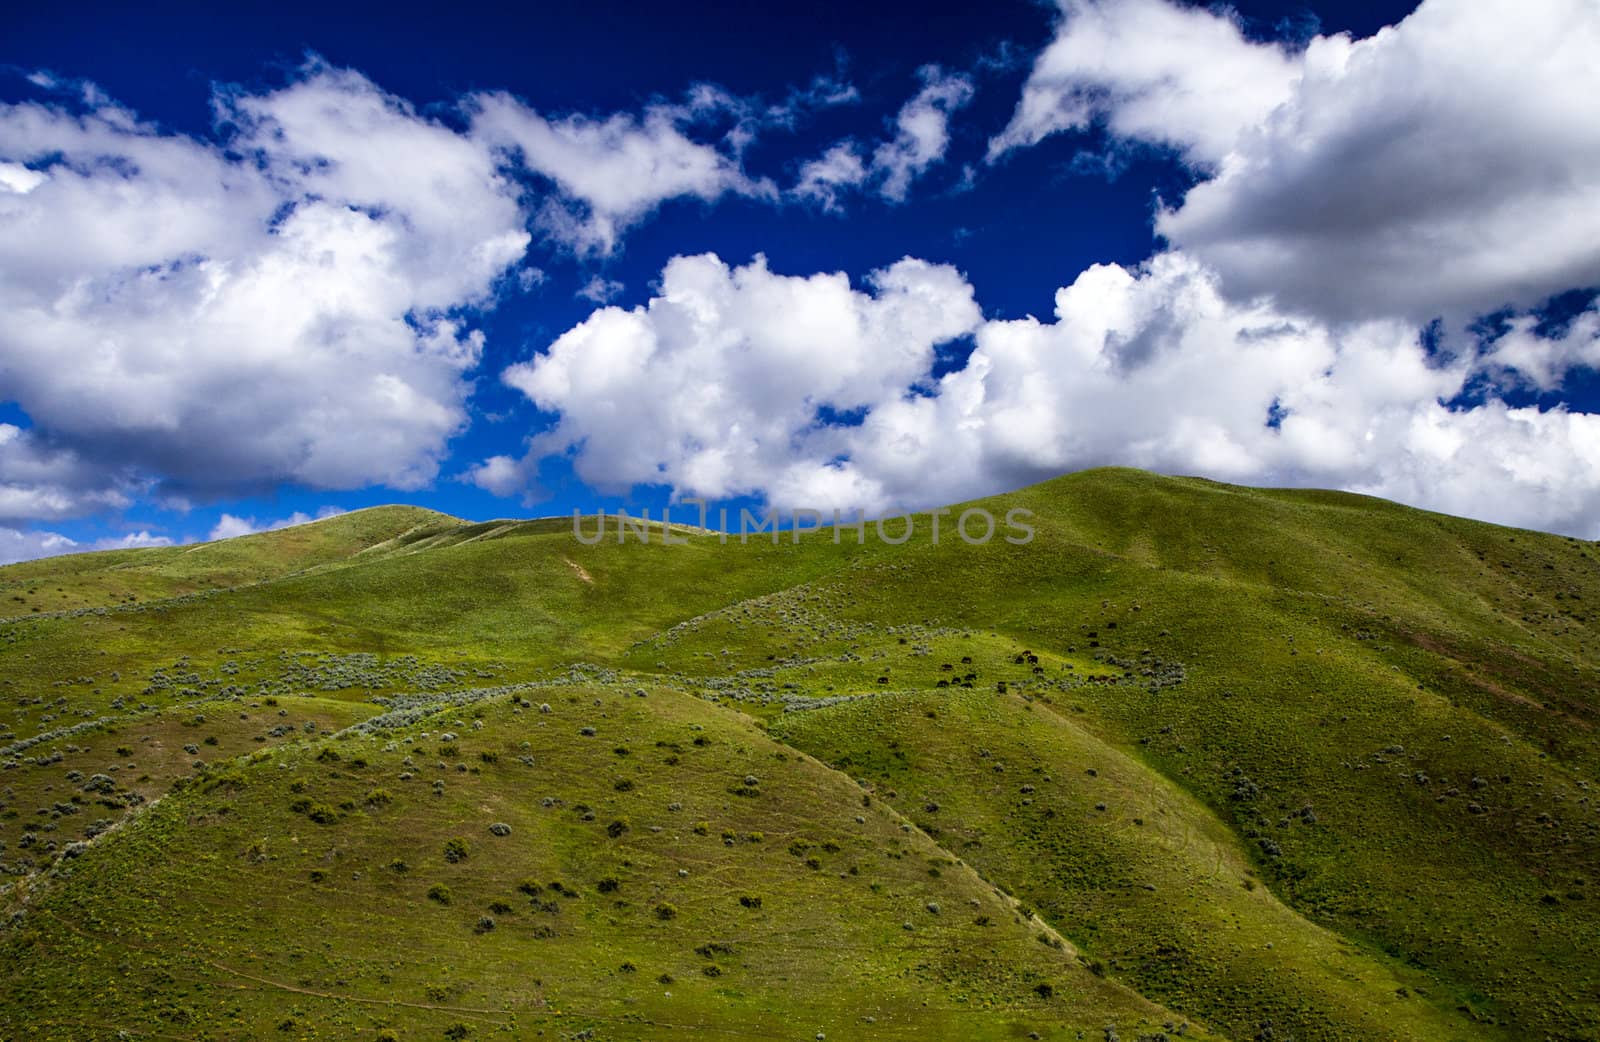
[268,264]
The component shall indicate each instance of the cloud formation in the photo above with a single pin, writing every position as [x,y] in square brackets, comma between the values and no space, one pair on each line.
[810,393]
[27,545]
[229,526]
[1446,167]
[283,306]
[920,140]
[294,298]
[718,382]
[611,172]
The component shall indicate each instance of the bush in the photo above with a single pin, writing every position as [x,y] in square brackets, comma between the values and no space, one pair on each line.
[322,814]
[485,924]
[617,828]
[440,893]
[456,850]
[500,828]
[666,910]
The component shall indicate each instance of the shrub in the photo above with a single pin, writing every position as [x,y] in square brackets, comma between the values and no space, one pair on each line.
[666,910]
[378,797]
[500,828]
[322,814]
[440,893]
[617,828]
[485,924]
[456,850]
[399,866]
[750,901]
[608,885]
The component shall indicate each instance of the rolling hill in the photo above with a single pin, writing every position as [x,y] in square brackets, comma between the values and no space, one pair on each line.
[1197,761]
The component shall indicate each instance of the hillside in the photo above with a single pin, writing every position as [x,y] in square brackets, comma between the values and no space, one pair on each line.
[1199,761]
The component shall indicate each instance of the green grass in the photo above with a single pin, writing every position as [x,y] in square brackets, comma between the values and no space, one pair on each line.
[1222,658]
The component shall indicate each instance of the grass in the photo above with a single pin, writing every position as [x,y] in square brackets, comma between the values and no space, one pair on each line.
[1343,759]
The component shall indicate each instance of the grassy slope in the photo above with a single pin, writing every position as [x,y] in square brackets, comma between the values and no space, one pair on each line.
[1425,685]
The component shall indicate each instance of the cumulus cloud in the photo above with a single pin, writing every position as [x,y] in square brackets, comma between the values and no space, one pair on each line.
[921,139]
[284,305]
[293,297]
[39,482]
[810,393]
[611,172]
[229,526]
[1181,76]
[1448,166]
[716,383]
[27,545]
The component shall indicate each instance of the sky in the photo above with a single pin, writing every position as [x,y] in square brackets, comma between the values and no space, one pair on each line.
[265,265]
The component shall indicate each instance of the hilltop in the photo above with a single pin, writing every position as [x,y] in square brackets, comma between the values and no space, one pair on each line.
[1198,760]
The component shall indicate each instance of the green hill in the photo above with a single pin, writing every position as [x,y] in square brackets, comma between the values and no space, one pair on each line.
[1197,761]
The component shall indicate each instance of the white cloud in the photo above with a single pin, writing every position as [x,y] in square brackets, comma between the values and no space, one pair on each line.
[28,545]
[1448,166]
[921,139]
[1153,70]
[502,476]
[612,172]
[732,382]
[1543,362]
[283,307]
[823,179]
[922,131]
[17,545]
[229,526]
[600,290]
[18,179]
[711,386]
